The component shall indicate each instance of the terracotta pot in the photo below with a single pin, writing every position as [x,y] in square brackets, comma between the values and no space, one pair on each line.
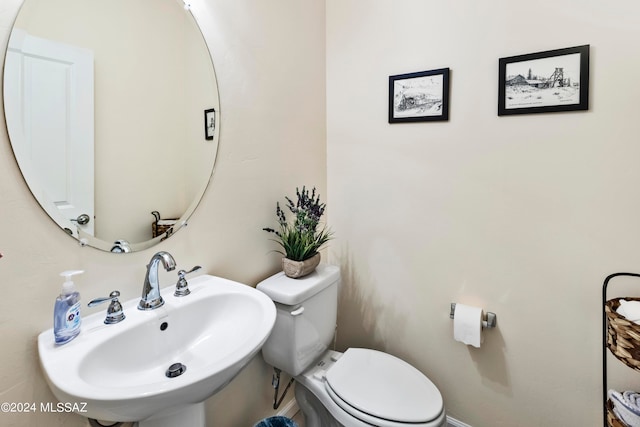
[297,269]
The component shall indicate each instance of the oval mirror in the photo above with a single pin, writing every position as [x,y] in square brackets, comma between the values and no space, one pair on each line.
[112,110]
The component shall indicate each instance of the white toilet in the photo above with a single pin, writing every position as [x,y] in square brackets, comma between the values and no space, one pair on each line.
[357,388]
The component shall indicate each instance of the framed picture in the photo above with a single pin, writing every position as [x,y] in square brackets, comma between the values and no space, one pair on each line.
[419,97]
[544,82]
[209,123]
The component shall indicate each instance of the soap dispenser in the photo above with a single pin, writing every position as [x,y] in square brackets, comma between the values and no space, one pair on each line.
[66,312]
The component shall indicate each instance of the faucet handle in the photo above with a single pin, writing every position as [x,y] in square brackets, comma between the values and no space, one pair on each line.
[182,287]
[114,312]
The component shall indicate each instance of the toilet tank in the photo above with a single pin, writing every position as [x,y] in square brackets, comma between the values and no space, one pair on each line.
[305,320]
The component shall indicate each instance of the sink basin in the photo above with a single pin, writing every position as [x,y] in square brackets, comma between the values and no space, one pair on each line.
[119,372]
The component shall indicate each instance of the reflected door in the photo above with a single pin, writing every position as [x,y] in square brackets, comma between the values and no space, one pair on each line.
[49,98]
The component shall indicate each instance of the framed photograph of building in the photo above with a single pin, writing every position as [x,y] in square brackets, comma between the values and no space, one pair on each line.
[543,82]
[419,97]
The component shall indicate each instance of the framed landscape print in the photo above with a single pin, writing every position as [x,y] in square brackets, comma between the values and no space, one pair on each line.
[419,97]
[543,82]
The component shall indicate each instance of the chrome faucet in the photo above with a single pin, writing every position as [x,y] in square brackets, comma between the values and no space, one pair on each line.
[151,298]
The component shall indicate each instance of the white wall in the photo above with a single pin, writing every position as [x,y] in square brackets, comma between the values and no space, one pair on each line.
[524,216]
[270,65]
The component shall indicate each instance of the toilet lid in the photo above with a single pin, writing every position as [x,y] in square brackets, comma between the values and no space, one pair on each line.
[383,386]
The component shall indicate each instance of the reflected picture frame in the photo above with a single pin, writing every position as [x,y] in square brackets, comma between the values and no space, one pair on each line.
[544,82]
[209,123]
[419,97]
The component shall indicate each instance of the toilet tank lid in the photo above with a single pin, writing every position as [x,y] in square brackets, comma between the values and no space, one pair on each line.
[285,290]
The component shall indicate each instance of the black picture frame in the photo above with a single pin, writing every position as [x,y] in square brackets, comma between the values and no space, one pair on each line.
[544,82]
[419,97]
[209,123]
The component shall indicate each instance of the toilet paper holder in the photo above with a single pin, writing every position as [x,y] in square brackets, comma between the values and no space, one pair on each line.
[489,319]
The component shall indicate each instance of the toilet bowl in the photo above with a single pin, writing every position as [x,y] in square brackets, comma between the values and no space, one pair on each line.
[357,388]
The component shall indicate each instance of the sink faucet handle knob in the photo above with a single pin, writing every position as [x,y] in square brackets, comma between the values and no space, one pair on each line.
[115,313]
[182,287]
[182,273]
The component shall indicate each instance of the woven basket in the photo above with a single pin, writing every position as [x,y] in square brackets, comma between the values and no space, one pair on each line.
[623,336]
[612,420]
[162,226]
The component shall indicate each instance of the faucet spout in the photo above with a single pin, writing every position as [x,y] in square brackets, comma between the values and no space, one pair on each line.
[151,298]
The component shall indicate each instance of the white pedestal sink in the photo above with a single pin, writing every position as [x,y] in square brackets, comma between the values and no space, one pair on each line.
[118,372]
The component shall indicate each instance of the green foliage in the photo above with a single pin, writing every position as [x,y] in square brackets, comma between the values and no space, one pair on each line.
[303,238]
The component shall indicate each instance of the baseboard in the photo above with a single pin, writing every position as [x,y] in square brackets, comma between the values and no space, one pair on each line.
[452,422]
[289,409]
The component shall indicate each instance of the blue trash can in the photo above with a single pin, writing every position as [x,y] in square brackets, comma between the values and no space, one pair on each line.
[277,422]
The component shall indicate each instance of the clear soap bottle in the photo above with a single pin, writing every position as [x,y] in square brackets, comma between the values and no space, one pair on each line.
[66,312]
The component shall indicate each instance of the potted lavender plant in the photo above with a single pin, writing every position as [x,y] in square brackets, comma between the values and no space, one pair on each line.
[302,239]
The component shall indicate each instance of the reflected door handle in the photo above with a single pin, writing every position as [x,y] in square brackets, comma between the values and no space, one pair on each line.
[82,219]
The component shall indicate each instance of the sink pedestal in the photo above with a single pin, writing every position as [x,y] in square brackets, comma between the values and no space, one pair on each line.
[185,416]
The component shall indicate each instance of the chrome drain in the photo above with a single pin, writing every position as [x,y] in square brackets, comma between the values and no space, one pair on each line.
[175,370]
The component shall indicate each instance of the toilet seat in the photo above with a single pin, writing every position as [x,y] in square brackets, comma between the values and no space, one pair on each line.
[382,390]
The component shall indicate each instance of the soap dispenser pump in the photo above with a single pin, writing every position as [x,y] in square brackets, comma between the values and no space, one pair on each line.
[66,312]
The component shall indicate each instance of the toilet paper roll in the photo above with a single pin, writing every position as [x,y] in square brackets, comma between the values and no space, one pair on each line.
[467,325]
